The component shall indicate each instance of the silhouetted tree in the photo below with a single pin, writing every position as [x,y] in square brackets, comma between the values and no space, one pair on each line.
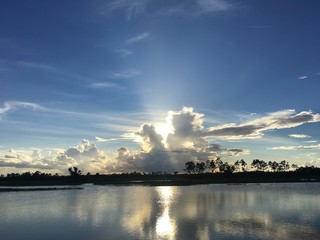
[259,165]
[190,167]
[294,166]
[283,166]
[36,174]
[219,164]
[213,165]
[226,168]
[200,167]
[74,171]
[273,166]
[240,165]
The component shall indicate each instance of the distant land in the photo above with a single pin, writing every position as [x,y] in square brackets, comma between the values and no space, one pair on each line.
[303,174]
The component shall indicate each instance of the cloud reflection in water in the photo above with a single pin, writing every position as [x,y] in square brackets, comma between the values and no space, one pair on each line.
[139,212]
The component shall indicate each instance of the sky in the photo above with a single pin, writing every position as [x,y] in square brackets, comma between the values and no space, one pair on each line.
[147,85]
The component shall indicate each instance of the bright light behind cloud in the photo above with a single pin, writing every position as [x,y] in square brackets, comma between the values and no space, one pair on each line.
[164,146]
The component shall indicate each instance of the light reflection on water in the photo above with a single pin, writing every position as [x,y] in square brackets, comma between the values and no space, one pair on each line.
[165,226]
[252,211]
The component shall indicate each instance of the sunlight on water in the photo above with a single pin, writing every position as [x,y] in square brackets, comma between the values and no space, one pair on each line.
[165,226]
[252,211]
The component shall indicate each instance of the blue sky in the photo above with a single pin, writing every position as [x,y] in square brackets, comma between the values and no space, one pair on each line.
[145,80]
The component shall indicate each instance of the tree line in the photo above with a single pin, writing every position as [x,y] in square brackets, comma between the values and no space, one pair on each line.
[217,165]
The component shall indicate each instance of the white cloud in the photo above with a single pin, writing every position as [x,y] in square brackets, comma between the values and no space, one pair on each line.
[104,85]
[124,52]
[132,8]
[299,136]
[311,141]
[182,138]
[315,163]
[211,6]
[100,139]
[23,160]
[310,147]
[85,155]
[303,77]
[186,128]
[138,38]
[135,8]
[126,74]
[15,105]
[37,66]
[256,128]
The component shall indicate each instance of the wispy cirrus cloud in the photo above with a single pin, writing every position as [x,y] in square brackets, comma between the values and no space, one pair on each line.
[299,136]
[212,6]
[135,8]
[124,52]
[308,147]
[138,38]
[256,128]
[37,66]
[303,77]
[126,74]
[15,105]
[132,8]
[101,139]
[104,85]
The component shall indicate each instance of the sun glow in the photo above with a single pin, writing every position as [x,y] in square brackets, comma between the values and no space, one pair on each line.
[164,129]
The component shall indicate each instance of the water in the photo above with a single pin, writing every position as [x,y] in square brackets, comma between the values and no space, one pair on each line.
[248,211]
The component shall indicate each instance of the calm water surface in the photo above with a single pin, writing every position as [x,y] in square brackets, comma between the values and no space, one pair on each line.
[249,211]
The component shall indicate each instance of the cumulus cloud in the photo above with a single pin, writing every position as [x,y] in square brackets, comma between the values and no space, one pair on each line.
[186,128]
[14,159]
[181,138]
[85,155]
[182,141]
[299,136]
[149,138]
[256,128]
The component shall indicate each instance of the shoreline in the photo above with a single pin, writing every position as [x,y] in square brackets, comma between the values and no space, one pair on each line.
[161,179]
[69,183]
